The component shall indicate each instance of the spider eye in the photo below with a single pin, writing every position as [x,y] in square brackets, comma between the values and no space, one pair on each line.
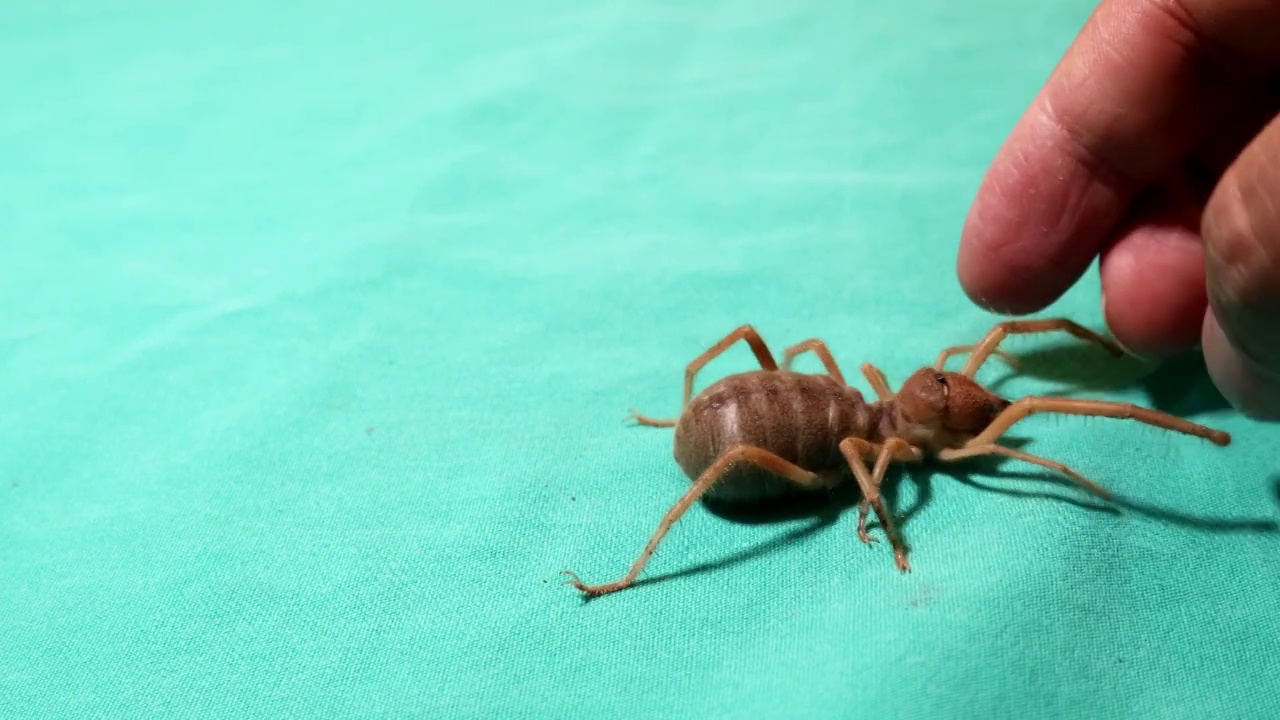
[940,378]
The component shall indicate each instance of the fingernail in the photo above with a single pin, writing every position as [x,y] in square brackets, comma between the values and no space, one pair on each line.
[1116,338]
[1251,388]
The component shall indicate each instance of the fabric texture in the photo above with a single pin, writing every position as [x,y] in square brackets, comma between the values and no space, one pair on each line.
[322,321]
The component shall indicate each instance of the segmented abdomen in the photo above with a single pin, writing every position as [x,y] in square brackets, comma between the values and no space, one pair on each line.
[801,418]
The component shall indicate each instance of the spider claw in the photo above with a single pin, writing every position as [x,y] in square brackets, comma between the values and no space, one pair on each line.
[900,559]
[591,591]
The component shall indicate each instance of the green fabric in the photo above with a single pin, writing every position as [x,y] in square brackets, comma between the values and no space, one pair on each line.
[322,321]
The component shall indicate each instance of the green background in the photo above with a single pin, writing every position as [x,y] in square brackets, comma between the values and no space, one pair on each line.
[321,321]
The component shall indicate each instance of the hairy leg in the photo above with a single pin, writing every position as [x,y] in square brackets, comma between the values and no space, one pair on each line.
[745,332]
[650,422]
[737,454]
[993,449]
[855,450]
[865,451]
[875,377]
[947,353]
[998,333]
[1029,406]
[819,348]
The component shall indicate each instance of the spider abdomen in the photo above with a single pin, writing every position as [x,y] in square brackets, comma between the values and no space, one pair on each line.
[799,417]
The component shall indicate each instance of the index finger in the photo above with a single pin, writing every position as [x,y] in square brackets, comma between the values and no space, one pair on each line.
[1139,88]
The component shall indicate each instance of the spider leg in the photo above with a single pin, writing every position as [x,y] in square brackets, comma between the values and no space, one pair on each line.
[731,457]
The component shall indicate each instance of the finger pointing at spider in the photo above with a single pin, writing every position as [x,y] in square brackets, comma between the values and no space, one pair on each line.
[1155,145]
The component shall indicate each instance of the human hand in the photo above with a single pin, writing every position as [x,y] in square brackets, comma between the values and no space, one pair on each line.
[1155,145]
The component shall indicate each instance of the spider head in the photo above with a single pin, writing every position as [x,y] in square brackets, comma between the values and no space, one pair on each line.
[948,401]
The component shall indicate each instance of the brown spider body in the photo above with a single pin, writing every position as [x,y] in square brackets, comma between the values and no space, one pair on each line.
[758,435]
[798,417]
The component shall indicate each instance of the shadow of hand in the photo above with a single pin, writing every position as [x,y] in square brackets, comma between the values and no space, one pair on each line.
[1180,385]
[1117,503]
